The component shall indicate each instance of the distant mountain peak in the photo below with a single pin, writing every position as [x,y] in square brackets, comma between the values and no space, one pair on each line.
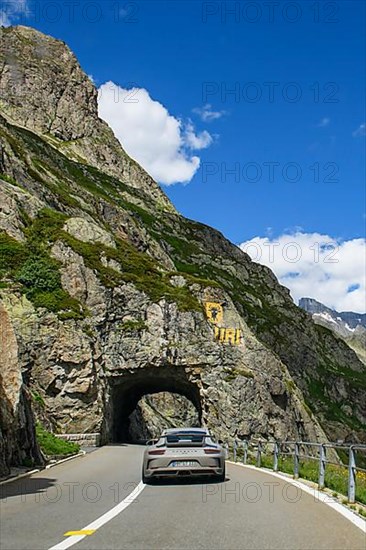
[350,326]
[44,89]
[350,318]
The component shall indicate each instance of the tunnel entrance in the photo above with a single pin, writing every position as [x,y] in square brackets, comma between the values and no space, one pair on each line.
[133,386]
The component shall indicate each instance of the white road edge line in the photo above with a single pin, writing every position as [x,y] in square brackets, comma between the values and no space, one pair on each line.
[105,518]
[318,495]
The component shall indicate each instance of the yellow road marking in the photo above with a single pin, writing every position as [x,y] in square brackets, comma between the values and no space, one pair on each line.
[82,532]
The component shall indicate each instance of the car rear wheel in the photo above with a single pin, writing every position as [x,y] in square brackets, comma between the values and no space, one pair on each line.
[221,477]
[144,478]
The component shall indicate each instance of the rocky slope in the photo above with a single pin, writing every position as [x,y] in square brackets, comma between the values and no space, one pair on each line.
[105,286]
[350,326]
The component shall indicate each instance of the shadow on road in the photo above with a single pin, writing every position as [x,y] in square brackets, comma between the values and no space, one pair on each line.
[28,486]
[185,480]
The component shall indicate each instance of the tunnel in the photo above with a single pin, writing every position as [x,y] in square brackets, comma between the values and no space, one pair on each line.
[127,391]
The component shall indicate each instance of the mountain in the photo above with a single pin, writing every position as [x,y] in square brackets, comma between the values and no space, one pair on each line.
[108,295]
[350,326]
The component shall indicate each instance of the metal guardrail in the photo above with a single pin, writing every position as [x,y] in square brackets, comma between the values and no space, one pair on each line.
[304,450]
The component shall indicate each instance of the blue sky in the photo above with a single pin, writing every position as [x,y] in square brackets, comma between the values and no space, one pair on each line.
[186,54]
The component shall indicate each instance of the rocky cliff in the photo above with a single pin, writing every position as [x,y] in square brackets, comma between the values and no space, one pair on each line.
[112,295]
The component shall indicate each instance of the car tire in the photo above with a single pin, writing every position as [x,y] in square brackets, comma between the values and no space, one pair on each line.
[221,478]
[144,478]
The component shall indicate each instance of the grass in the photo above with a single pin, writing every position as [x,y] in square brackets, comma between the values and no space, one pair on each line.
[9,179]
[52,445]
[133,326]
[38,399]
[336,477]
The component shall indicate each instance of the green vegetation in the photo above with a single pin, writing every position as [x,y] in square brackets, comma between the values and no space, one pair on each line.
[38,399]
[232,373]
[141,214]
[335,476]
[9,179]
[52,445]
[290,385]
[39,274]
[12,255]
[31,266]
[317,389]
[132,326]
[136,267]
[27,462]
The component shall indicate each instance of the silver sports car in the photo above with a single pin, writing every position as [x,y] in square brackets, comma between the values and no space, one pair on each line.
[184,452]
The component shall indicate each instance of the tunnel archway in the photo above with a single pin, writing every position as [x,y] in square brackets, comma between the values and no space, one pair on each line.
[127,391]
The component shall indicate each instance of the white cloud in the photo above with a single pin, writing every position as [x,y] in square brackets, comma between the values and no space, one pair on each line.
[160,142]
[197,141]
[207,114]
[4,19]
[361,131]
[12,11]
[317,266]
[324,122]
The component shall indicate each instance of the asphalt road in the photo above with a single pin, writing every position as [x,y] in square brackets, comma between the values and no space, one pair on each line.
[251,510]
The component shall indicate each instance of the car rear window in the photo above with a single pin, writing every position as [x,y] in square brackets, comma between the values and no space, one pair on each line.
[184,437]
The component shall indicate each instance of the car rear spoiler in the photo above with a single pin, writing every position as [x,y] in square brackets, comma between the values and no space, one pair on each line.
[170,441]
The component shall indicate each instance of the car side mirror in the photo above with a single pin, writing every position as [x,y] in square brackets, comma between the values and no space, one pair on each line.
[151,442]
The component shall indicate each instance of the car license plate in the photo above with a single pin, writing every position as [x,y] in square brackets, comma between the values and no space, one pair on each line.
[178,463]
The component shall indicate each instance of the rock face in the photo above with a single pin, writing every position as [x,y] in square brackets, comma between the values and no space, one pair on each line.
[44,89]
[157,412]
[113,297]
[17,435]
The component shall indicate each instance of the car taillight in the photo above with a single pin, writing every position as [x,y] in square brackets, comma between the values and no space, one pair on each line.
[157,452]
[211,451]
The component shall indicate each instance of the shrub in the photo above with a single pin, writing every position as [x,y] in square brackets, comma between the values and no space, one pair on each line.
[12,254]
[40,275]
[133,326]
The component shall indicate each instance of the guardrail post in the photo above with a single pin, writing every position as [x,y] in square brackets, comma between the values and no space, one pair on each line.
[259,454]
[296,460]
[322,464]
[235,449]
[245,451]
[276,452]
[352,476]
